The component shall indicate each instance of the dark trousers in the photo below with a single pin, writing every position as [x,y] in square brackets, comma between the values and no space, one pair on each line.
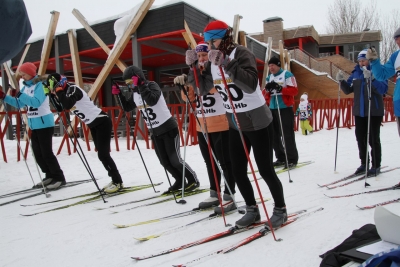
[42,146]
[168,152]
[219,143]
[287,118]
[261,142]
[101,134]
[374,139]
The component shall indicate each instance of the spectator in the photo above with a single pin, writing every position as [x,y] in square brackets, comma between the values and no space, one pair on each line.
[358,83]
[281,87]
[305,112]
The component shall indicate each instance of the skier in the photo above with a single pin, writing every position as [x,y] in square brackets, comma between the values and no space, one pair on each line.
[390,69]
[148,98]
[281,84]
[358,85]
[70,95]
[41,122]
[254,118]
[217,125]
[305,112]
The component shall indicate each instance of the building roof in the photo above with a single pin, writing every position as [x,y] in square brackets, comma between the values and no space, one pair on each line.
[349,38]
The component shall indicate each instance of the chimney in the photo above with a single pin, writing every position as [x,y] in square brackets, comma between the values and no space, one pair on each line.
[273,27]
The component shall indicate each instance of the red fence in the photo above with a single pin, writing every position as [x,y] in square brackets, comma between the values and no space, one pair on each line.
[326,113]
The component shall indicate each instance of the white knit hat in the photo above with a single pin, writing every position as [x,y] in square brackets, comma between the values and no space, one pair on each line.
[305,97]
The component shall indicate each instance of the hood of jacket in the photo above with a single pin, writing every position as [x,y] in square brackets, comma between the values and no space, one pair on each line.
[131,71]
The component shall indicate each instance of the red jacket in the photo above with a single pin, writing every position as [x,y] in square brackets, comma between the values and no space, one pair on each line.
[288,94]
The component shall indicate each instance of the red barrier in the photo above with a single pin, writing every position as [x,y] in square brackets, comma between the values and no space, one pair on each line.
[324,115]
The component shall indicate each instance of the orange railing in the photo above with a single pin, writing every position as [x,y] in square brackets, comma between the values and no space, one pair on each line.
[326,113]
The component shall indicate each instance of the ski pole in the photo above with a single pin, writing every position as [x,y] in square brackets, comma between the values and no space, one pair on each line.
[19,145]
[245,149]
[205,136]
[369,84]
[337,126]
[81,154]
[182,201]
[283,137]
[137,145]
[184,150]
[30,144]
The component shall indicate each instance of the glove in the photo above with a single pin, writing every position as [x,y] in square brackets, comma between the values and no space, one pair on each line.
[217,58]
[54,85]
[180,80]
[339,76]
[115,89]
[367,73]
[61,84]
[371,54]
[191,57]
[13,92]
[46,89]
[2,95]
[273,87]
[136,81]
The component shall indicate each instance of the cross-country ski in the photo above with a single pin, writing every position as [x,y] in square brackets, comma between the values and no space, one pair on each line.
[162,133]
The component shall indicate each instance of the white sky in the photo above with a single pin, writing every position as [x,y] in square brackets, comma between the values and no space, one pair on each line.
[293,12]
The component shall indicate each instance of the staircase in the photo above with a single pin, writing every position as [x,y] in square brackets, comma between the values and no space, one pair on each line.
[316,76]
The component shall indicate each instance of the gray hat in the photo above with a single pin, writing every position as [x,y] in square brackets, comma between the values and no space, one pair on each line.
[396,33]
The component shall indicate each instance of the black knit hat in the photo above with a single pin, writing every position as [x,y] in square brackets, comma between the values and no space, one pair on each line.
[275,61]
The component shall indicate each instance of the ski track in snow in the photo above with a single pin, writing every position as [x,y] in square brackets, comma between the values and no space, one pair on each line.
[83,236]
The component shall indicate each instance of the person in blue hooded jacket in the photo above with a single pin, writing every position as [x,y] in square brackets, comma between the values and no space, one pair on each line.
[41,122]
[388,70]
[358,83]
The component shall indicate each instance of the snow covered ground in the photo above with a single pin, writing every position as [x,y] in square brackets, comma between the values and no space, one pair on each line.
[83,236]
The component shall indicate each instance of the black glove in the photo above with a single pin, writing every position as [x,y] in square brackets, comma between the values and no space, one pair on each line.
[273,87]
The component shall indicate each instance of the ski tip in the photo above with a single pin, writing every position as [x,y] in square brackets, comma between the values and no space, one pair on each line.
[146,238]
[327,196]
[27,215]
[121,226]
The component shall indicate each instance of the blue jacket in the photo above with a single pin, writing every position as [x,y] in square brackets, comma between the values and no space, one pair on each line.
[384,72]
[39,99]
[356,84]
